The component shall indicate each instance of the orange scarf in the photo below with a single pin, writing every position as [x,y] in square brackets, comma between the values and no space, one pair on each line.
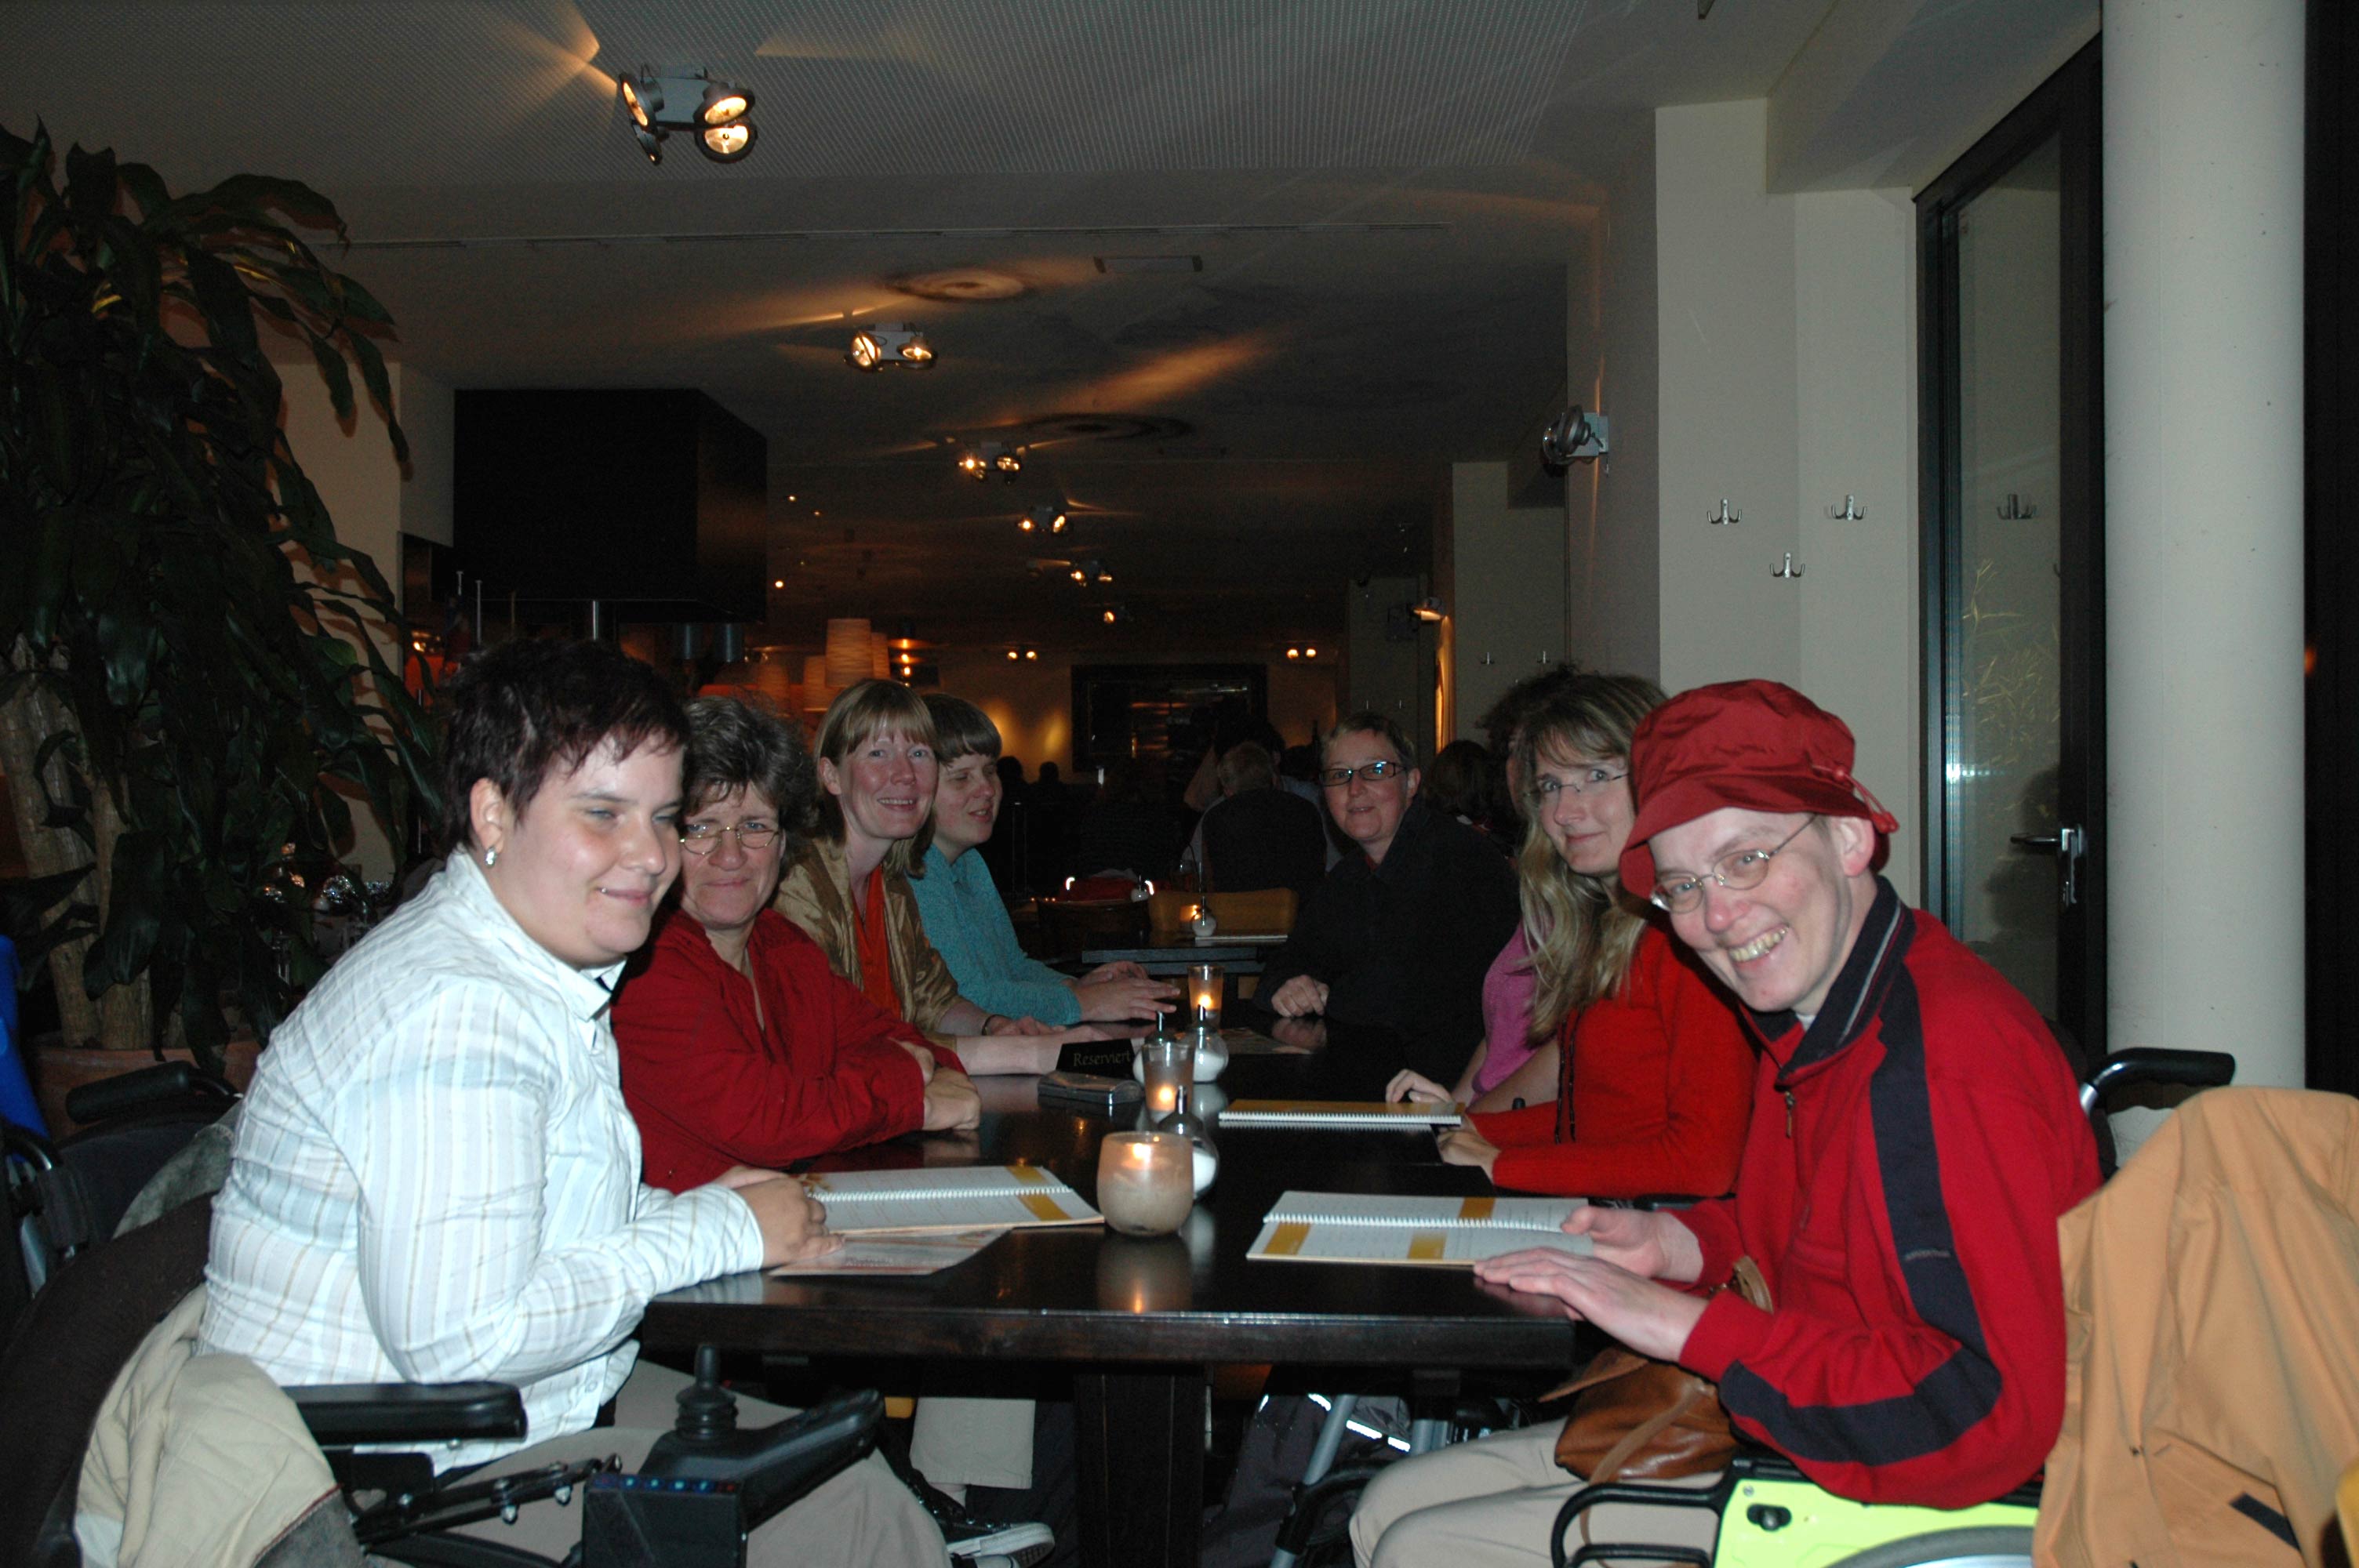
[875,950]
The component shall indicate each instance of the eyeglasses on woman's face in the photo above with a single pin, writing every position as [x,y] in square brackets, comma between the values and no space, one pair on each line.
[1579,782]
[1382,768]
[704,838]
[1739,871]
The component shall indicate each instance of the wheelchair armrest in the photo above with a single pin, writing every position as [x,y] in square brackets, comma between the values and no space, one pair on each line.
[341,1415]
[773,1465]
[2156,1064]
[163,1083]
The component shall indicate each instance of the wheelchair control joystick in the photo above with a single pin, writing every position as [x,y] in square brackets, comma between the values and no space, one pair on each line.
[707,1412]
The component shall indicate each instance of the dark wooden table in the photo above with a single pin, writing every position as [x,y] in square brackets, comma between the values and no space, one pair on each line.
[1137,1320]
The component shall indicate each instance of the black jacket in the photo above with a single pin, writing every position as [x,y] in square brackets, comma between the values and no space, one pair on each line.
[1404,945]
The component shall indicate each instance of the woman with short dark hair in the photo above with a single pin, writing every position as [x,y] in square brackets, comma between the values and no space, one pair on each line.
[739,1044]
[435,1178]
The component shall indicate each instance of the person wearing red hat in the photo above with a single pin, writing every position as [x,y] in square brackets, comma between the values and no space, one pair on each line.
[1916,1135]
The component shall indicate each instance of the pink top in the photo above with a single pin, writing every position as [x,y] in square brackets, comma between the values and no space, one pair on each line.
[1508,989]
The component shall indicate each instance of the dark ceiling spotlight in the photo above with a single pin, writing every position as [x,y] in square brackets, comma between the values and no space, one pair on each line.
[873,348]
[1047,518]
[980,462]
[717,111]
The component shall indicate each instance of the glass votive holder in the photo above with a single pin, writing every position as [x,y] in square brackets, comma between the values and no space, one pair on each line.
[1211,1057]
[1204,983]
[1166,1066]
[1146,1181]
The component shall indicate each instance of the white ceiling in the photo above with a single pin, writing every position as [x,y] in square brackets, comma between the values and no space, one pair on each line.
[1384,196]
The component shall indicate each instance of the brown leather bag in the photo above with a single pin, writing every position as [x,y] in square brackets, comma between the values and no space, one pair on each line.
[1637,1418]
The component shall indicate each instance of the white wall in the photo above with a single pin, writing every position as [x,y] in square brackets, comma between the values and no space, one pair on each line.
[1507,598]
[1726,421]
[1759,347]
[1855,400]
[1613,519]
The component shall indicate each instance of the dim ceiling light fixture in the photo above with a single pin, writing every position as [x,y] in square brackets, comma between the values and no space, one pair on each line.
[873,348]
[716,111]
[980,462]
[1020,653]
[1048,517]
[1301,651]
[1428,608]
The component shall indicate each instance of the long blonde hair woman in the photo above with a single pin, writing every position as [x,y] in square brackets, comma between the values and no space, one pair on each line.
[1646,1085]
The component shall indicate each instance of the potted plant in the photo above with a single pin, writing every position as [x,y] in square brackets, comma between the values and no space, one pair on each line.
[186,678]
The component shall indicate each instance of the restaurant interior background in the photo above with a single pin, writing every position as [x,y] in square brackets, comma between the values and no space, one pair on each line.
[1242,329]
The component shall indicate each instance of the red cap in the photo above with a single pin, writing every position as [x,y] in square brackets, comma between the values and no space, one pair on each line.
[1750,743]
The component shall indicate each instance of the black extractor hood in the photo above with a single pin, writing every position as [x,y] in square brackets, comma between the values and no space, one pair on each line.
[652,503]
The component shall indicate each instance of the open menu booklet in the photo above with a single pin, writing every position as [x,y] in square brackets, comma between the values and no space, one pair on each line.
[1409,1115]
[887,1253]
[1362,1227]
[973,1198]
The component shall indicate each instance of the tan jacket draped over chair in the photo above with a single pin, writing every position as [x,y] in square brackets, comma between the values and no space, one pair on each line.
[816,895]
[2212,1390]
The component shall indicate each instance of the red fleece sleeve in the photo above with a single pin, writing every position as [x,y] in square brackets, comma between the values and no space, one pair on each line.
[1514,1130]
[1902,1409]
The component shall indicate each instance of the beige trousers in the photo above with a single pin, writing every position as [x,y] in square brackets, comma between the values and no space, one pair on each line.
[864,1515]
[1491,1503]
[959,1441]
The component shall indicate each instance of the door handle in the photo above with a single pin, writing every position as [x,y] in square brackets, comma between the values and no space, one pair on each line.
[2068,844]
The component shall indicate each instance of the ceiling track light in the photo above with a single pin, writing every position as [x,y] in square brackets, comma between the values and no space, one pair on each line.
[1021,652]
[1428,608]
[1002,457]
[716,111]
[1048,517]
[874,348]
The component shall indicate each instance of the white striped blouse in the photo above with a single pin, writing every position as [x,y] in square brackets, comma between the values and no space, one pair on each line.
[436,1178]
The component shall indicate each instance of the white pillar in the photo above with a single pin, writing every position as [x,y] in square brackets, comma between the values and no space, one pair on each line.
[2202,166]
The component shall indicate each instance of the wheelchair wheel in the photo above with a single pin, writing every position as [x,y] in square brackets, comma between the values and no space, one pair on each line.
[1990,1546]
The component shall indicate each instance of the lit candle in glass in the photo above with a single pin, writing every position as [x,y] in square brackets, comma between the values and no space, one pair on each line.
[1146,1181]
[1204,985]
[1166,1066]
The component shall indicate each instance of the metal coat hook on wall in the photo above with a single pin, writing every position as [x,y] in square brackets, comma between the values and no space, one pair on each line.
[1724,518]
[1849,512]
[2014,512]
[1791,569]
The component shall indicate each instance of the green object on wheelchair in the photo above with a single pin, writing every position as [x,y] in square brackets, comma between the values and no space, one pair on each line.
[1774,1522]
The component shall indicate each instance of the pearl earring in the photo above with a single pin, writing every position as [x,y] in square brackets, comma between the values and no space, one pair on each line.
[491,859]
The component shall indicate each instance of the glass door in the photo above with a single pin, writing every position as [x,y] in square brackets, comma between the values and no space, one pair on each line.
[2012,535]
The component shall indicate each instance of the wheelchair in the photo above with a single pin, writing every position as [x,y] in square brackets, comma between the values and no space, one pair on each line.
[1771,1516]
[691,1504]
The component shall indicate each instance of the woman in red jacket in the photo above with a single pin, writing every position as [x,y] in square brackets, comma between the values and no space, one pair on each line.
[1646,1082]
[739,1044]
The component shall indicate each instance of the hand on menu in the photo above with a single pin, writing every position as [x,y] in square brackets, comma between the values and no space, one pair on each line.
[1408,1085]
[794,1226]
[1298,996]
[1652,1319]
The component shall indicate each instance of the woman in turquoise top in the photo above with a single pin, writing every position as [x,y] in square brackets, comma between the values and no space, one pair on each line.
[964,918]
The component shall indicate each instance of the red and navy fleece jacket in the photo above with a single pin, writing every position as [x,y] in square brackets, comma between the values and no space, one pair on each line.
[1911,1152]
